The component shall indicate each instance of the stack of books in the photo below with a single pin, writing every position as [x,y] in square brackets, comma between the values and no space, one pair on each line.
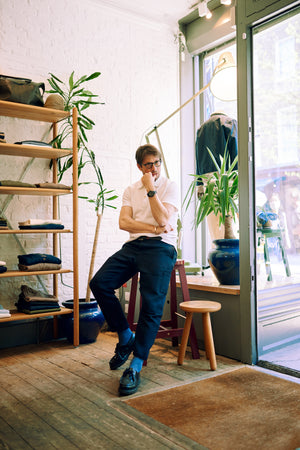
[4,312]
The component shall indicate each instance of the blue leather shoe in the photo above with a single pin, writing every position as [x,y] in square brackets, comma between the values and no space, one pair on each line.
[129,382]
[122,353]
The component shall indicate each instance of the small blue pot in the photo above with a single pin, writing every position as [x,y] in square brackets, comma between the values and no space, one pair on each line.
[224,261]
[91,320]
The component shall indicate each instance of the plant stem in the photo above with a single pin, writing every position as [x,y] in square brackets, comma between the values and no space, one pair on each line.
[229,234]
[97,229]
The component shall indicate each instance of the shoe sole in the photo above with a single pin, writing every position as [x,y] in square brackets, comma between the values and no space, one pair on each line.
[114,367]
[130,391]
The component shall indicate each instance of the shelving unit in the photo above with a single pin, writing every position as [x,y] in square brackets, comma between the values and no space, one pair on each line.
[28,112]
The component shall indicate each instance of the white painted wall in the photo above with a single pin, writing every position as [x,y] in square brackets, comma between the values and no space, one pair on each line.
[138,61]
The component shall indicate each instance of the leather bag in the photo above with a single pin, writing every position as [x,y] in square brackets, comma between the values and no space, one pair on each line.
[21,90]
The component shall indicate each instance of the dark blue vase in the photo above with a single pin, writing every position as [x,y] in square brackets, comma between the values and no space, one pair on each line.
[224,261]
[91,320]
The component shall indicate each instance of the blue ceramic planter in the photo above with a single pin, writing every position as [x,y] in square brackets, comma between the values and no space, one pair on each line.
[224,261]
[91,320]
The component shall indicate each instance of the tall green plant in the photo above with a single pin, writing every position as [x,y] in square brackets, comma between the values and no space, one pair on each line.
[75,94]
[220,195]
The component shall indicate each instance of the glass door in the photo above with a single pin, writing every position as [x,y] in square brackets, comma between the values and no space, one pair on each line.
[276,114]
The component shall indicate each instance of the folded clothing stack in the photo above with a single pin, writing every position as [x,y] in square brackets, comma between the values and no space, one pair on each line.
[32,301]
[38,261]
[3,224]
[14,183]
[3,267]
[41,224]
[34,143]
[48,185]
[4,312]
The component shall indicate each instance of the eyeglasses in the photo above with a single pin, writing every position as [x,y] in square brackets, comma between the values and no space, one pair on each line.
[150,165]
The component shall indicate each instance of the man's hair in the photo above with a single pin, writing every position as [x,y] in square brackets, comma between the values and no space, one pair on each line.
[144,150]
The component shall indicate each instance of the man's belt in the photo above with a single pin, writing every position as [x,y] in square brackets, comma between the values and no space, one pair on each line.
[144,238]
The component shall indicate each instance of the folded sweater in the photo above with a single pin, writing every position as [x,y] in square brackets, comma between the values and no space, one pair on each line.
[30,294]
[39,266]
[37,258]
[40,222]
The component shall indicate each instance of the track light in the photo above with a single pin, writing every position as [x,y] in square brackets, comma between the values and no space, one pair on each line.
[225,2]
[203,10]
[208,14]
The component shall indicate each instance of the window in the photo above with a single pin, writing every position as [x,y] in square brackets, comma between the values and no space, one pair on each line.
[208,104]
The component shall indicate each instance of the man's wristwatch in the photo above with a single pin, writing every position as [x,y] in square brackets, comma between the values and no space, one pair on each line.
[151,193]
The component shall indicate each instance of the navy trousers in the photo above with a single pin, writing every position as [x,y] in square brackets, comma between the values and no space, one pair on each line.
[154,260]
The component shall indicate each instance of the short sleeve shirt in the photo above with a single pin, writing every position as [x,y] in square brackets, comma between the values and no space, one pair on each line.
[136,197]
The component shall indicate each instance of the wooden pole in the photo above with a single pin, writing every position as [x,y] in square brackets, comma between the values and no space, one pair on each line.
[55,213]
[75,231]
[88,289]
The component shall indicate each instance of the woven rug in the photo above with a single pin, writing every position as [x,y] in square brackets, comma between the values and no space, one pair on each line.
[242,409]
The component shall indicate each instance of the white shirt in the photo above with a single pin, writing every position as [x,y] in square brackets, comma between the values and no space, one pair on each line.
[136,197]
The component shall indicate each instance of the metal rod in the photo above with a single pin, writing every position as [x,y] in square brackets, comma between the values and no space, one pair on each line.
[178,109]
[162,153]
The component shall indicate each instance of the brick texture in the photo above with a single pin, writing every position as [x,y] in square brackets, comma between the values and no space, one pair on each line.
[138,61]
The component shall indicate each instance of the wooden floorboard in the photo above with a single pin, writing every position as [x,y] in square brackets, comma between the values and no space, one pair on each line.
[55,396]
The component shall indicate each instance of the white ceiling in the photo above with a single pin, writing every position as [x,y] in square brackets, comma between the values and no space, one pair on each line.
[160,11]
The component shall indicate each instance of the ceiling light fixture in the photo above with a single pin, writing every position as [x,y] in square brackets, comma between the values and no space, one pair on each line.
[225,2]
[208,14]
[202,9]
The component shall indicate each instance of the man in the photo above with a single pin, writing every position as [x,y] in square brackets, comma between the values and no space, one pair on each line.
[148,213]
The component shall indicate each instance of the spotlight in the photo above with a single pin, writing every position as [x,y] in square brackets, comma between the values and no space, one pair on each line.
[208,14]
[202,9]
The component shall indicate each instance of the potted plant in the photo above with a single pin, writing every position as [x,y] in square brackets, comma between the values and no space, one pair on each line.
[75,94]
[220,197]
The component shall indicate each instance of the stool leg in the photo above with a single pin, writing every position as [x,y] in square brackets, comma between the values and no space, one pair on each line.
[186,298]
[209,340]
[284,257]
[267,260]
[132,302]
[184,338]
[173,306]
[55,327]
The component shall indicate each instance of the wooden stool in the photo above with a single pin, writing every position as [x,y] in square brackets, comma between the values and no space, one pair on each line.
[168,328]
[205,307]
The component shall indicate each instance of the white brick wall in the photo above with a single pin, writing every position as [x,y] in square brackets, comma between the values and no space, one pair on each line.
[138,61]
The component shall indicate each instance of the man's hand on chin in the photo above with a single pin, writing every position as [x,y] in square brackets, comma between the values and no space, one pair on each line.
[148,181]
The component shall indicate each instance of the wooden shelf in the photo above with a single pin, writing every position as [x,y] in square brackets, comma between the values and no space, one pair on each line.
[29,112]
[209,284]
[42,114]
[16,315]
[33,151]
[16,190]
[26,273]
[39,231]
